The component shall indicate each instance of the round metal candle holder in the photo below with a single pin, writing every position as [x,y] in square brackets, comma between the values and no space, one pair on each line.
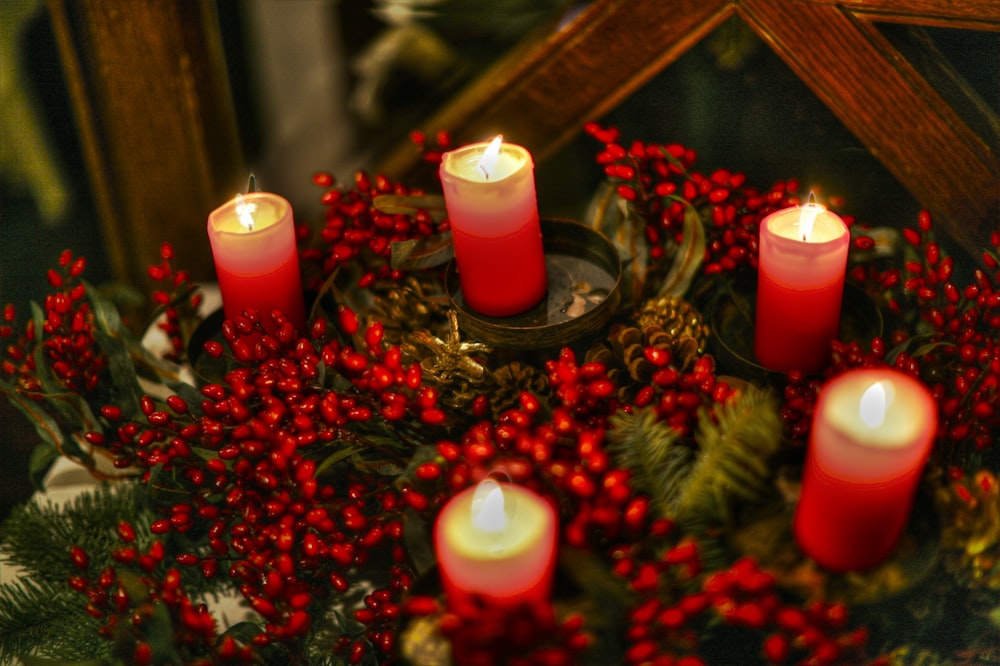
[770,538]
[584,292]
[911,562]
[731,322]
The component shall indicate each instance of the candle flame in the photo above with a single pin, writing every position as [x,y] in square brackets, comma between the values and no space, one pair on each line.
[488,512]
[245,211]
[807,216]
[488,161]
[874,405]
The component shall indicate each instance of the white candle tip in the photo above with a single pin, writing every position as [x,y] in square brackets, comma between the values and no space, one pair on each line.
[488,513]
[873,405]
[244,212]
[807,218]
[488,161]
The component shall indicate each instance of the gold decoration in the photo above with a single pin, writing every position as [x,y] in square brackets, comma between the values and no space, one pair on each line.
[970,514]
[422,643]
[415,304]
[448,363]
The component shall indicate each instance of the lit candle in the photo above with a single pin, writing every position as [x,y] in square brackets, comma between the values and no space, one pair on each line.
[803,260]
[496,541]
[489,192]
[256,260]
[871,436]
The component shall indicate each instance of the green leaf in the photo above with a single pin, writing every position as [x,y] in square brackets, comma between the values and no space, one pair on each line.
[688,257]
[112,337]
[400,204]
[341,454]
[419,253]
[46,427]
[926,346]
[42,458]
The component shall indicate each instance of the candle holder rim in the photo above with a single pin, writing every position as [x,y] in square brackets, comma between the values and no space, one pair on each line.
[858,310]
[581,245]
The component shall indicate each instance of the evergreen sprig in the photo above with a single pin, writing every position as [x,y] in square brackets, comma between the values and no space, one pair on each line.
[38,536]
[735,442]
[652,452]
[701,483]
[46,620]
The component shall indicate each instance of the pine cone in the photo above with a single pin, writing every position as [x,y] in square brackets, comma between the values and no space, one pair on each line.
[623,354]
[510,380]
[681,322]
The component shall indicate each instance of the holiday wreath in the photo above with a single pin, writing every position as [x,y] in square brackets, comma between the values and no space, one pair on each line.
[301,472]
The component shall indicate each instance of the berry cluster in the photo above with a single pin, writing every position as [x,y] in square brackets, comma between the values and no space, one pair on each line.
[673,601]
[178,299]
[248,460]
[74,362]
[129,598]
[659,182]
[942,334]
[355,232]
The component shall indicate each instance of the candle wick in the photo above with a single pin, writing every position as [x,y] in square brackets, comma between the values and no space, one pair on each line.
[486,174]
[244,212]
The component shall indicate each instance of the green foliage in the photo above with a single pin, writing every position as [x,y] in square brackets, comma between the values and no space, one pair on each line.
[38,536]
[46,620]
[40,614]
[652,451]
[702,482]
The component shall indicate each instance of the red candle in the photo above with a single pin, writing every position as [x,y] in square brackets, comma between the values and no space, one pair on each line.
[489,191]
[803,259]
[497,541]
[256,259]
[872,433]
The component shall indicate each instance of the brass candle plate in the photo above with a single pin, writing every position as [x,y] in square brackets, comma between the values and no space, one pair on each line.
[584,292]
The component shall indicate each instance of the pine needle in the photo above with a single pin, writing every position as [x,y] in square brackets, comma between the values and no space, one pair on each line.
[701,483]
[731,467]
[46,620]
[38,535]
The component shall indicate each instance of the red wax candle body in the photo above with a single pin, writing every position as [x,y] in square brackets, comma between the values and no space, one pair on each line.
[258,267]
[495,229]
[871,436]
[800,288]
[507,566]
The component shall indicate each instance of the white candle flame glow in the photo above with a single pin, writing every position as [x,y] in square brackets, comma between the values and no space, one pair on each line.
[488,512]
[807,216]
[245,212]
[874,404]
[488,161]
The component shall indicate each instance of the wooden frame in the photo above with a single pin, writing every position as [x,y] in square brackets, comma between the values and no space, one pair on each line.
[153,107]
[151,97]
[542,93]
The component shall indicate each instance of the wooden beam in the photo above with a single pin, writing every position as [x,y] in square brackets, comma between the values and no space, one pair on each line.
[151,98]
[541,93]
[964,14]
[885,102]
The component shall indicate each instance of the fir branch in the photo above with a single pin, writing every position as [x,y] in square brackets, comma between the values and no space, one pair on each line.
[38,536]
[735,443]
[46,620]
[650,450]
[701,486]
